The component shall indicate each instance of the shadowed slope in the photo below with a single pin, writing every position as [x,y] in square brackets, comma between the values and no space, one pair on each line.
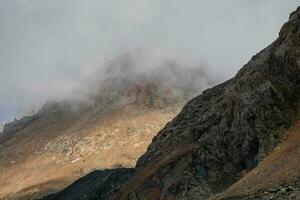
[96,185]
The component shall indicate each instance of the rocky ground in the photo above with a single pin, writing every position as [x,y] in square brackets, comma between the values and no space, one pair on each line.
[54,164]
[286,191]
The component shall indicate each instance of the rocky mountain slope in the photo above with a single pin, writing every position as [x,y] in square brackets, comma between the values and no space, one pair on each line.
[276,177]
[224,133]
[108,123]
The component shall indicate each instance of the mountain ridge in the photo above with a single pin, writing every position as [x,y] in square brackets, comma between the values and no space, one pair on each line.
[218,136]
[226,131]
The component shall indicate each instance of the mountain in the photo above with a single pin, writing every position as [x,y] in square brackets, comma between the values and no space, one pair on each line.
[228,138]
[107,123]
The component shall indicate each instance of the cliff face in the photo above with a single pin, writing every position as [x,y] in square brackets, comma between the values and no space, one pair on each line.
[226,130]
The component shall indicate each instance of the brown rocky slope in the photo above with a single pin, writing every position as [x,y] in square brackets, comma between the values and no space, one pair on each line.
[109,126]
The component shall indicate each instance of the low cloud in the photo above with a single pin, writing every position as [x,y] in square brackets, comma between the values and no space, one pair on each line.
[48,47]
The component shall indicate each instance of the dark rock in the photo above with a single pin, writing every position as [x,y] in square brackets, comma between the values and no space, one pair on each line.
[99,184]
[274,189]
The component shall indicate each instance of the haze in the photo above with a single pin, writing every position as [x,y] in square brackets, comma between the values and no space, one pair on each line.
[47,46]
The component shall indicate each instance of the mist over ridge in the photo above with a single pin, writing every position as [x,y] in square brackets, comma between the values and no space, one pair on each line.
[49,46]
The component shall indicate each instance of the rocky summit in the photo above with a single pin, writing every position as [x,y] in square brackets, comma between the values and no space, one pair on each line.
[221,137]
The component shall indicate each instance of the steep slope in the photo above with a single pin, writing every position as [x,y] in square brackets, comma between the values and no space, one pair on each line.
[226,130]
[107,124]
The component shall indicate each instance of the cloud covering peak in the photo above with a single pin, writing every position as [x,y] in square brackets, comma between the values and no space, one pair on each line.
[47,46]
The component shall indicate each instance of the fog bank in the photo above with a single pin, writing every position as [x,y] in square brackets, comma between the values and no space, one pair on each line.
[48,47]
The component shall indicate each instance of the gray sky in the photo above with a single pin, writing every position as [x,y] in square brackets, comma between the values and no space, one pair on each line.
[46,46]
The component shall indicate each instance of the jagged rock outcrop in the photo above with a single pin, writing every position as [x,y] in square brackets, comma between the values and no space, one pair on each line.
[226,130]
[17,125]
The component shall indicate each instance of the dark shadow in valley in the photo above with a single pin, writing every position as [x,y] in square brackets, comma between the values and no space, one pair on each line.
[99,184]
